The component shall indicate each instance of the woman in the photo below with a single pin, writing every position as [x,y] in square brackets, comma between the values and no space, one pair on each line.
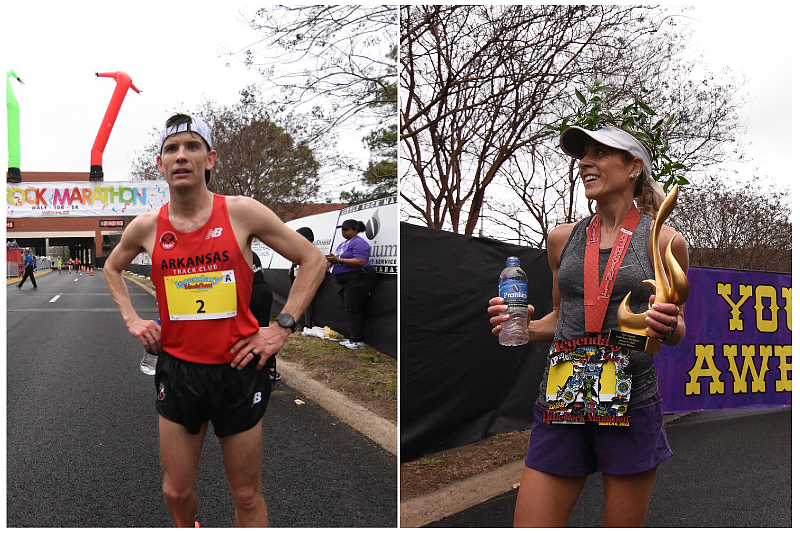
[356,279]
[615,169]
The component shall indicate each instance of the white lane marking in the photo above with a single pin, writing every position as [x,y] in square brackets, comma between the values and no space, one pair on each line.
[56,297]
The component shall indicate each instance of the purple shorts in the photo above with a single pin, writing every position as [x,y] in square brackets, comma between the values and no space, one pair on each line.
[581,449]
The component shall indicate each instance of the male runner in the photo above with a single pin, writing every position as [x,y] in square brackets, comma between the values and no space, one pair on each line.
[211,350]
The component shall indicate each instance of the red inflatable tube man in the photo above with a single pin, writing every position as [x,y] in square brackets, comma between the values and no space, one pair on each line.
[124,83]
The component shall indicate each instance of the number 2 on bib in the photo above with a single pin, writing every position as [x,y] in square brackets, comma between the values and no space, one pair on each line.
[206,296]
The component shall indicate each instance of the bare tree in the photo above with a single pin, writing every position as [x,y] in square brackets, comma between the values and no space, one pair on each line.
[342,60]
[260,159]
[381,174]
[261,153]
[743,228]
[342,56]
[481,84]
[144,164]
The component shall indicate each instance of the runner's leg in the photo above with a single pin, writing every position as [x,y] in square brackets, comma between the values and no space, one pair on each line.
[546,500]
[627,498]
[180,454]
[242,456]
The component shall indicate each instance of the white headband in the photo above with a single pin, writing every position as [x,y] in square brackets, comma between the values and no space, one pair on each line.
[197,126]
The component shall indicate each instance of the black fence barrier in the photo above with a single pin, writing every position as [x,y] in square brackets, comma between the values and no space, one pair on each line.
[458,385]
[380,314]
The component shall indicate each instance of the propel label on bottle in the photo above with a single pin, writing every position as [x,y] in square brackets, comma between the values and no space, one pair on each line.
[514,292]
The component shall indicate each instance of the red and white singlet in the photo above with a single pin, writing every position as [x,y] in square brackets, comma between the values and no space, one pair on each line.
[203,286]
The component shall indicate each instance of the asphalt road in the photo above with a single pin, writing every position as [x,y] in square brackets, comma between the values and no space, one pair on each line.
[82,430]
[729,469]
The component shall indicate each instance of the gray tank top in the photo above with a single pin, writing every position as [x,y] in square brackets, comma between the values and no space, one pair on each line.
[636,266]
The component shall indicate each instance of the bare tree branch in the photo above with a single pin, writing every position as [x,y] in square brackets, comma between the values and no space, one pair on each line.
[342,59]
[479,84]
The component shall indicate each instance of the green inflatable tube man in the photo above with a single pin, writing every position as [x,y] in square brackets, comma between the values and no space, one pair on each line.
[14,175]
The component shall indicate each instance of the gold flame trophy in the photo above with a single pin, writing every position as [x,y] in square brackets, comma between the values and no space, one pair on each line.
[631,333]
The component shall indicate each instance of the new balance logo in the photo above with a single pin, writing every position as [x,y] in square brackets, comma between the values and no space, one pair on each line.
[256,398]
[214,232]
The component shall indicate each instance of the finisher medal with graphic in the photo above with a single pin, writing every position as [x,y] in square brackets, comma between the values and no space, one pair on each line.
[587,383]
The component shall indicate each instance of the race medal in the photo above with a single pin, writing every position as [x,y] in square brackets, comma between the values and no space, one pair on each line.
[206,296]
[587,383]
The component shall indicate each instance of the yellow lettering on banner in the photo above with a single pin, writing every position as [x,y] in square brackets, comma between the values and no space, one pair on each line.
[786,292]
[15,196]
[740,378]
[99,195]
[766,325]
[784,383]
[745,291]
[704,354]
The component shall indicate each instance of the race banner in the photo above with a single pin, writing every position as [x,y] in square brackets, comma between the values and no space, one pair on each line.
[737,352]
[380,219]
[84,198]
[320,225]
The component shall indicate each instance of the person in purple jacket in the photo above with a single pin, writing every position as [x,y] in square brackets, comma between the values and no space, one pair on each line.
[356,278]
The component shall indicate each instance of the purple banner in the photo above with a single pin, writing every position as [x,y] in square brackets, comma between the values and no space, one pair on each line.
[737,352]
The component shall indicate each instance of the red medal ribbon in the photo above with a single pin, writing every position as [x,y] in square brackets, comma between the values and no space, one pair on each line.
[597,295]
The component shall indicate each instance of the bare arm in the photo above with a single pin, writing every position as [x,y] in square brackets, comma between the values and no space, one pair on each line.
[252,219]
[261,222]
[135,239]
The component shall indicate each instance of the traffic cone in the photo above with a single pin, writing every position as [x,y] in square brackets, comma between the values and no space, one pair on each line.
[91,271]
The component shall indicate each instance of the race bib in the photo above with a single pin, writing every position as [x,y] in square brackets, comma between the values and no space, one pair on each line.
[587,383]
[206,296]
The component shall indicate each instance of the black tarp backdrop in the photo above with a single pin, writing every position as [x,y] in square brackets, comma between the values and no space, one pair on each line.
[458,385]
[380,325]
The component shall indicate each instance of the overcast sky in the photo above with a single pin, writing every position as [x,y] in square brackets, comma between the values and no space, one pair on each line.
[171,50]
[757,41]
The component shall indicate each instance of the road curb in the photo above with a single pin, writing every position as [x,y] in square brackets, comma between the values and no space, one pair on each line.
[380,430]
[459,496]
[462,495]
[372,426]
[141,284]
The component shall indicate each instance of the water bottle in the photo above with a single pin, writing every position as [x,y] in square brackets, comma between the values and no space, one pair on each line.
[148,364]
[514,290]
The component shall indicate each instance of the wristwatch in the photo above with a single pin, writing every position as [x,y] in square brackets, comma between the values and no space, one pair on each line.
[285,320]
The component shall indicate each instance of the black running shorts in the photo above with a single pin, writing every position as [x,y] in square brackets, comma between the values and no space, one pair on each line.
[191,394]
